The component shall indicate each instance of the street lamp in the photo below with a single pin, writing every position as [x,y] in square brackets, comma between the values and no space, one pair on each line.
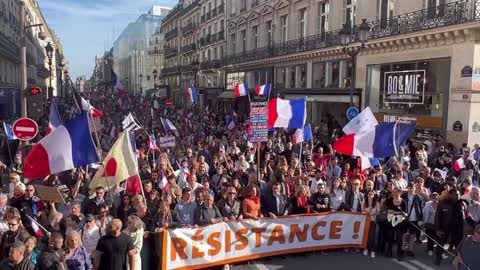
[155,72]
[49,49]
[23,57]
[61,65]
[346,39]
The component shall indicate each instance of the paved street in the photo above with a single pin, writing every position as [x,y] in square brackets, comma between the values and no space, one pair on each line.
[345,261]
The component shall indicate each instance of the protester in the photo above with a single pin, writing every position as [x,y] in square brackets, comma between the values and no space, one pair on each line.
[467,257]
[371,206]
[114,248]
[53,256]
[90,234]
[135,229]
[251,205]
[77,256]
[16,259]
[397,208]
[16,233]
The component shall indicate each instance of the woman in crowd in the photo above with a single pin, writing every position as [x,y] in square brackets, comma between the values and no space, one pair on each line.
[429,220]
[337,195]
[153,201]
[102,219]
[77,257]
[31,251]
[125,209]
[371,207]
[397,208]
[251,203]
[164,218]
[230,206]
[16,232]
[300,202]
[135,229]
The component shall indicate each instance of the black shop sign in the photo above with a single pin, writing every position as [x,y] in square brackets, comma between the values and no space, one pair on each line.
[404,87]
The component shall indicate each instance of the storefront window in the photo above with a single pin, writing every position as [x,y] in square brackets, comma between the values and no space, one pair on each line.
[234,78]
[418,90]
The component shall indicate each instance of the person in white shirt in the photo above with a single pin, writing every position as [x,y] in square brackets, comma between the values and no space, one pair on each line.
[90,234]
[315,181]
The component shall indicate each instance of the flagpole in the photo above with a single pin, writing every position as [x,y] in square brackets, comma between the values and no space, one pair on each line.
[258,161]
[98,143]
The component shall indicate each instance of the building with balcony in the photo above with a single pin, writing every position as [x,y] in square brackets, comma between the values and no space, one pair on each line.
[133,48]
[212,50]
[38,73]
[156,52]
[295,45]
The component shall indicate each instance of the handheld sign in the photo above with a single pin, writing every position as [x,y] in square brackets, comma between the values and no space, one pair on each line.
[25,129]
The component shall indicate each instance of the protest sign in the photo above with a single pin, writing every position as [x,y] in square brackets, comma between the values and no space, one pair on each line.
[167,141]
[51,194]
[258,122]
[230,242]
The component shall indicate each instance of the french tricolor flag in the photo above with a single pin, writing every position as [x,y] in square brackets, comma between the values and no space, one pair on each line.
[152,144]
[382,141]
[68,146]
[241,89]
[192,94]
[287,113]
[459,164]
[54,118]
[264,90]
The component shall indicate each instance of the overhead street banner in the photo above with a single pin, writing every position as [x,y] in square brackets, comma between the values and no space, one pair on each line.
[404,87]
[230,242]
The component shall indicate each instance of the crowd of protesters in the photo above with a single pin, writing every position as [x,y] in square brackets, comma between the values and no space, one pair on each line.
[214,176]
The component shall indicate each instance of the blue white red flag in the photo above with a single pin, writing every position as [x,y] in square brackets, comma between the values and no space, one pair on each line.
[192,94]
[287,113]
[241,89]
[54,118]
[264,90]
[9,132]
[68,146]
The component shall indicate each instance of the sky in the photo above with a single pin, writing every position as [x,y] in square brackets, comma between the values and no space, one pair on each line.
[86,27]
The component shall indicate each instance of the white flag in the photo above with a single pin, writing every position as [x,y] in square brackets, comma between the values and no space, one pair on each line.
[363,122]
[130,124]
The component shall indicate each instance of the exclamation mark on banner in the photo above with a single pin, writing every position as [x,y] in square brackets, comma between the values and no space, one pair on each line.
[356,229]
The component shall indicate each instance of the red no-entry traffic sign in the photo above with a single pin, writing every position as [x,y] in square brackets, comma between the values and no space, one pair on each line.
[169,102]
[25,129]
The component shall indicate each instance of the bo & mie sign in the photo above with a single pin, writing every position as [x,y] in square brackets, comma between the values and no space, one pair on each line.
[404,87]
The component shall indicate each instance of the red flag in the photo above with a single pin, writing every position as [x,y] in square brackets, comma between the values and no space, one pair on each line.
[133,185]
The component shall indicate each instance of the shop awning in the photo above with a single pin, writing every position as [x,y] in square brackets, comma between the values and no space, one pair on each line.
[226,95]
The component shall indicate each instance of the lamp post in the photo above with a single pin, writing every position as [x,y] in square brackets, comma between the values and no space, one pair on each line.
[155,72]
[49,49]
[23,57]
[61,65]
[345,40]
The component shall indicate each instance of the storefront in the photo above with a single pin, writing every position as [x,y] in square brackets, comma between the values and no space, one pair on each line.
[411,92]
[9,102]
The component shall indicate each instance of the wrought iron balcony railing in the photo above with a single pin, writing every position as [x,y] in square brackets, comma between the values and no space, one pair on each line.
[444,15]
[169,52]
[172,33]
[188,48]
[189,28]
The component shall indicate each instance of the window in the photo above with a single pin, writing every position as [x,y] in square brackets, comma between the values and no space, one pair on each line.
[386,12]
[284,27]
[269,32]
[221,52]
[215,53]
[243,5]
[233,8]
[243,35]
[255,37]
[323,10]
[233,38]
[302,23]
[350,12]
[436,8]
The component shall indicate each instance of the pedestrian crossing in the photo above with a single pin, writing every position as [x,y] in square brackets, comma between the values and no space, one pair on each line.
[413,265]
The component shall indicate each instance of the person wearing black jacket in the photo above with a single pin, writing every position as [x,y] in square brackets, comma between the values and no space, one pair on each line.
[449,219]
[320,200]
[414,216]
[277,203]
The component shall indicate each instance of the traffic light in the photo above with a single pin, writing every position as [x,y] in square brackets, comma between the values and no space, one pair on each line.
[35,102]
[35,91]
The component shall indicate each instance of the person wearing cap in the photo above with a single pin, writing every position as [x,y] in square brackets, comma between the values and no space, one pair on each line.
[467,251]
[90,233]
